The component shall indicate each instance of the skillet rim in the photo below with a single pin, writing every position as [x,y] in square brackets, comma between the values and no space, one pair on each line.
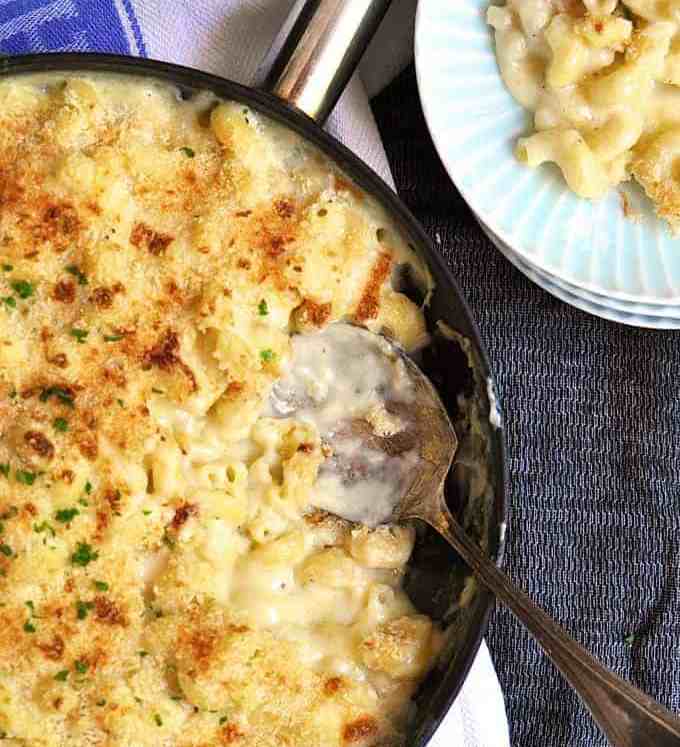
[368,179]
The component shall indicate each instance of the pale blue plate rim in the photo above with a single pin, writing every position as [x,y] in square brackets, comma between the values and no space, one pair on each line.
[555,272]
[630,315]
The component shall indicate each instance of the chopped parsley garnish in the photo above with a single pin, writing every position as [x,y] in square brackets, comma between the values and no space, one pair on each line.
[158,719]
[24,477]
[82,608]
[262,308]
[80,666]
[267,355]
[65,515]
[157,391]
[6,550]
[143,653]
[101,703]
[30,605]
[168,541]
[88,487]
[60,425]
[4,469]
[63,395]
[7,268]
[29,627]
[83,502]
[79,334]
[75,271]
[23,288]
[61,676]
[120,403]
[83,555]
[112,338]
[44,527]
[101,586]
[188,152]
[13,394]
[223,720]
[146,512]
[10,301]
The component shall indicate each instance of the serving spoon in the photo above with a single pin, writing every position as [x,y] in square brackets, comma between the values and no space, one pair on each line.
[626,715]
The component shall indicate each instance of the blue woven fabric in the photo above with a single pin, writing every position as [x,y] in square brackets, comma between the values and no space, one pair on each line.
[69,26]
[592,418]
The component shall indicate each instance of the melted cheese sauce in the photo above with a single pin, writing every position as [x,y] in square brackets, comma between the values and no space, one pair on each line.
[334,379]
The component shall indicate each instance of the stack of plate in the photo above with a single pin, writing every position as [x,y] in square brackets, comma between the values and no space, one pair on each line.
[612,258]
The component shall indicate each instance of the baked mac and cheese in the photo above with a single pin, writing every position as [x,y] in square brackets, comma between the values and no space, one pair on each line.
[165,578]
[603,80]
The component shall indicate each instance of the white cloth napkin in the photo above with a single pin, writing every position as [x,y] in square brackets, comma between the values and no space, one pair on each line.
[229,38]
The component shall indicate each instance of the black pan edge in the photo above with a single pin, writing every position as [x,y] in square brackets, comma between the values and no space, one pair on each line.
[374,185]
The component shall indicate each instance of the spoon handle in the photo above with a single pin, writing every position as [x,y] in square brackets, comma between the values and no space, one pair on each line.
[627,716]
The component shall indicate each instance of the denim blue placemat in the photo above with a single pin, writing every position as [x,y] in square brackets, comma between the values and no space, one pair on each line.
[592,414]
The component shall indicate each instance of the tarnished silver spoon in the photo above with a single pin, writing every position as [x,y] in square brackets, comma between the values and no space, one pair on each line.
[330,368]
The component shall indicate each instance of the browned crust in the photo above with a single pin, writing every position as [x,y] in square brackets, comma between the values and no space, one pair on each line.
[361,728]
[369,303]
[155,242]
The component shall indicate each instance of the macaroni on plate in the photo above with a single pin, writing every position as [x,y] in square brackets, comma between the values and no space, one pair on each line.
[603,80]
[164,577]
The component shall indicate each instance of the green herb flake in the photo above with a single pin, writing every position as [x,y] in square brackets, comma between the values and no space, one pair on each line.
[188,152]
[79,334]
[101,586]
[168,541]
[88,487]
[7,268]
[61,425]
[146,512]
[29,627]
[267,355]
[4,469]
[113,338]
[223,720]
[82,608]
[13,393]
[143,653]
[30,605]
[66,515]
[157,391]
[10,302]
[63,395]
[80,666]
[61,676]
[101,703]
[44,527]
[6,550]
[120,403]
[262,308]
[25,478]
[10,513]
[83,555]
[158,719]
[75,271]
[23,288]
[83,502]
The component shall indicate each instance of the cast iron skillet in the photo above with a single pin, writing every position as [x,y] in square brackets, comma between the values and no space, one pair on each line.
[317,52]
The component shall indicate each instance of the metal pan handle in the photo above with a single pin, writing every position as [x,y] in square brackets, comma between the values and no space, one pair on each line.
[317,50]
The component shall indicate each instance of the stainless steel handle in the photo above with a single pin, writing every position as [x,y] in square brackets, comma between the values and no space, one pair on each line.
[627,716]
[317,50]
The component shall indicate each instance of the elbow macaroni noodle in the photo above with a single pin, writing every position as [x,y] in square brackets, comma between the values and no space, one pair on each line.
[603,80]
[164,579]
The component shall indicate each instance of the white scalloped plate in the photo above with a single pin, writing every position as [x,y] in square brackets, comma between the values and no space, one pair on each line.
[475,122]
[625,312]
